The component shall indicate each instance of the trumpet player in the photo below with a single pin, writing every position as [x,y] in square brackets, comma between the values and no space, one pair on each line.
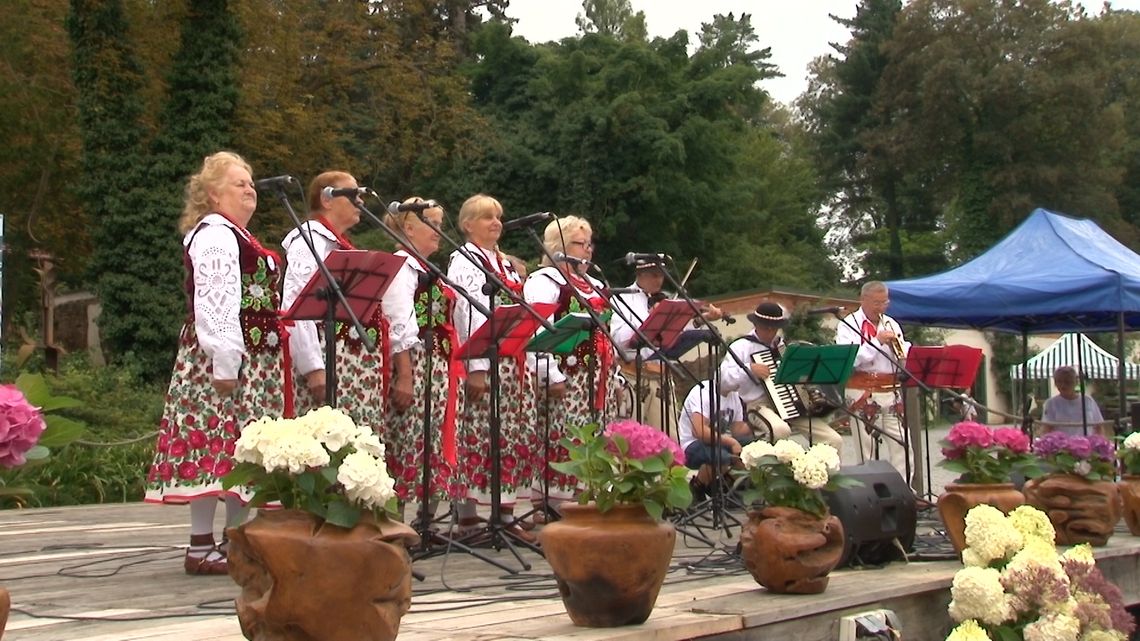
[873,393]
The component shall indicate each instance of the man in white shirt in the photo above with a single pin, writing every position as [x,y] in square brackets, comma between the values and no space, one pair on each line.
[696,433]
[767,321]
[873,392]
[1064,412]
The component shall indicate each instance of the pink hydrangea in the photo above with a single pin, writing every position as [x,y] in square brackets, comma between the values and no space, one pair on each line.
[970,434]
[645,440]
[21,424]
[1012,439]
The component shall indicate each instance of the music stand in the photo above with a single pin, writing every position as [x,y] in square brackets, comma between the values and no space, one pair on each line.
[666,322]
[505,333]
[563,338]
[953,366]
[363,277]
[815,365]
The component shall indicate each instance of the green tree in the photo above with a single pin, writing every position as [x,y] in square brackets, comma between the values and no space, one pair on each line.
[114,188]
[612,18]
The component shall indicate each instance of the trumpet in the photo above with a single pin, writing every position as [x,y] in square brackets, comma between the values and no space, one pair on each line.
[894,343]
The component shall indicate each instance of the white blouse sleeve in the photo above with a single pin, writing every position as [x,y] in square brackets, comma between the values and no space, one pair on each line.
[214,258]
[540,288]
[399,308]
[304,342]
[467,319]
[848,332]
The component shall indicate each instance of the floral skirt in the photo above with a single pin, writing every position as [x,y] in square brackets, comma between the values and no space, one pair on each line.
[359,387]
[517,439]
[405,442]
[575,408]
[199,427]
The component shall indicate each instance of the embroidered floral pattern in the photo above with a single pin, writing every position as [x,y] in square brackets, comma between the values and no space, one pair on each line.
[259,288]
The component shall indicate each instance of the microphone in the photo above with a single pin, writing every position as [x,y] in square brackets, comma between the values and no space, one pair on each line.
[276,182]
[526,221]
[632,258]
[826,310]
[397,207]
[348,192]
[559,257]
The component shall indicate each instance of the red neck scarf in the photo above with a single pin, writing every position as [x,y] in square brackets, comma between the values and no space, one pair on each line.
[252,240]
[341,241]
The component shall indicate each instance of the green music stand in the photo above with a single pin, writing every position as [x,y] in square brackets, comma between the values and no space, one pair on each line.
[568,333]
[816,365]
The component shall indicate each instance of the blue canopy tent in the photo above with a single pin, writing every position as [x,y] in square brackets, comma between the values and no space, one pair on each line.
[1053,273]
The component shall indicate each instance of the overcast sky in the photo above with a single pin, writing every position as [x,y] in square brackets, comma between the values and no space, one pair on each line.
[796,30]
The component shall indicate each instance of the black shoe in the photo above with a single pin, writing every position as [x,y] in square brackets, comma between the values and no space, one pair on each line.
[700,492]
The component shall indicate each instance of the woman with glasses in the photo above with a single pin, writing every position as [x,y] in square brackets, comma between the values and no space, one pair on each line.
[579,387]
[361,377]
[229,369]
[480,220]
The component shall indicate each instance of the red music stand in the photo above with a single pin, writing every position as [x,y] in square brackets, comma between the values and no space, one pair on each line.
[514,327]
[943,366]
[363,277]
[665,323]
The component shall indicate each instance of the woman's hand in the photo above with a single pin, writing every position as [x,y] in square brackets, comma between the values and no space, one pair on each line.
[315,381]
[558,390]
[225,387]
[476,384]
[402,393]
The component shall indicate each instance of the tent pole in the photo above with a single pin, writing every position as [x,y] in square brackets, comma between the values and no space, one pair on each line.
[1081,383]
[1026,419]
[1120,373]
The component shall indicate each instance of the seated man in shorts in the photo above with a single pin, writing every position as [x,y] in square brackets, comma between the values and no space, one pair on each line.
[695,432]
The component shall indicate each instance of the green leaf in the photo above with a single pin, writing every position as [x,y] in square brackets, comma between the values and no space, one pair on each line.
[34,387]
[61,431]
[329,474]
[342,514]
[654,508]
[307,481]
[37,453]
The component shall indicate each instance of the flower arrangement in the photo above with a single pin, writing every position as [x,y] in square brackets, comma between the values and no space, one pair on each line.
[321,462]
[785,474]
[627,462]
[985,455]
[1091,457]
[29,427]
[1016,587]
[1129,453]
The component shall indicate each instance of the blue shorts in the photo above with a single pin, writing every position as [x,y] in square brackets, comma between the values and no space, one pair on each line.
[699,453]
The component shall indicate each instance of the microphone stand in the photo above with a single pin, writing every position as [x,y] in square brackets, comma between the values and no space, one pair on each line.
[423,523]
[498,535]
[903,375]
[331,293]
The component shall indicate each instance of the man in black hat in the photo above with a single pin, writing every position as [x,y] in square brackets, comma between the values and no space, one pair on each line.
[767,321]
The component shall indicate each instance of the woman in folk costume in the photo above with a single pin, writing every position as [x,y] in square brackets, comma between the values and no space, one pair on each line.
[576,388]
[231,367]
[480,220]
[360,374]
[419,310]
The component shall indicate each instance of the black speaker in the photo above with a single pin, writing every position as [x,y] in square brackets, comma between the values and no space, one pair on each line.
[1134,414]
[874,514]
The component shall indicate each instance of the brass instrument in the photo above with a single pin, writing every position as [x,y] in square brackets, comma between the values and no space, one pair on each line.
[895,344]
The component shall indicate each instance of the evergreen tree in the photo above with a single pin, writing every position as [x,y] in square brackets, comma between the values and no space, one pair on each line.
[115,187]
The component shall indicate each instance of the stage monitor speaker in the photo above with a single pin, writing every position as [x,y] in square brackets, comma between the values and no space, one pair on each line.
[1134,414]
[874,514]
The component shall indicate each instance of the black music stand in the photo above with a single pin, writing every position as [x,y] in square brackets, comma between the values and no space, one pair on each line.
[505,333]
[953,366]
[363,277]
[815,365]
[567,333]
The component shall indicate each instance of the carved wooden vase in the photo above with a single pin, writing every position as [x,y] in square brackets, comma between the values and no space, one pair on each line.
[790,551]
[5,607]
[1129,488]
[305,580]
[958,498]
[1082,511]
[609,566]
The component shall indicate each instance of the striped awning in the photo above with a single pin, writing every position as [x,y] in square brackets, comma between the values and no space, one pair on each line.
[1093,361]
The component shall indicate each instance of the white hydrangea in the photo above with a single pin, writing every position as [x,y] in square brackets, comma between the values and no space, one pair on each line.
[330,426]
[809,471]
[968,630]
[989,536]
[367,441]
[1032,522]
[977,593]
[826,453]
[1037,553]
[787,450]
[293,452]
[751,454]
[1053,627]
[365,480]
[1080,553]
[1132,442]
[247,449]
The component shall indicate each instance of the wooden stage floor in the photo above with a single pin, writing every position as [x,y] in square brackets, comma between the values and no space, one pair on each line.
[114,573]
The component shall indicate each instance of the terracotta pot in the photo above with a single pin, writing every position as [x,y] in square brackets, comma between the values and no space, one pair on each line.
[1082,511]
[790,551]
[609,566]
[306,580]
[960,497]
[5,607]
[1129,488]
